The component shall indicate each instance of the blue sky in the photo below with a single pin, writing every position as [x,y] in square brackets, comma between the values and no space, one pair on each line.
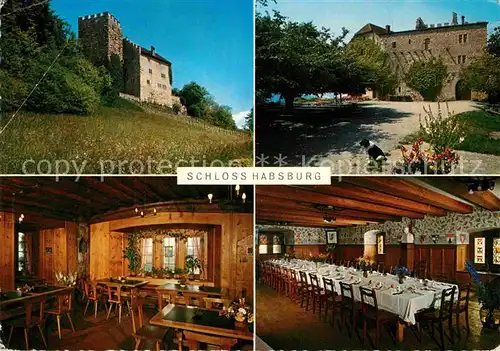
[207,41]
[399,14]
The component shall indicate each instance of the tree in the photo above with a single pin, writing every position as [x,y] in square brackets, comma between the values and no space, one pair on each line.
[293,59]
[427,78]
[420,24]
[249,121]
[221,116]
[374,66]
[483,74]
[196,99]
[494,42]
[115,70]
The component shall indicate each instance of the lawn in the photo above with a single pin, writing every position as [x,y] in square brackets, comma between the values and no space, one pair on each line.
[125,139]
[483,133]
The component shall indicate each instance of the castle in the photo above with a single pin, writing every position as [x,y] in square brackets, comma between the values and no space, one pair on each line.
[147,75]
[457,44]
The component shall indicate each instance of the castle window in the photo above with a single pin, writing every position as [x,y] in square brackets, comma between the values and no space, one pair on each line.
[465,38]
[461,59]
[393,44]
[163,75]
[427,41]
[159,85]
[409,41]
[148,81]
[150,70]
[460,38]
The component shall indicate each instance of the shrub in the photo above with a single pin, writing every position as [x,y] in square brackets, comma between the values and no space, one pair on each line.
[177,108]
[427,78]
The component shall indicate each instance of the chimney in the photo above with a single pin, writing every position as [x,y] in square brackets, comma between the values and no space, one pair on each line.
[463,19]
[387,28]
[153,51]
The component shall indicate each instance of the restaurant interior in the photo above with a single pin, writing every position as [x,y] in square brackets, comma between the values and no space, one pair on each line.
[125,263]
[379,263]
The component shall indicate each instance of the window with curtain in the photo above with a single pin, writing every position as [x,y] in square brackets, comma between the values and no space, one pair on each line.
[169,253]
[21,252]
[193,249]
[147,254]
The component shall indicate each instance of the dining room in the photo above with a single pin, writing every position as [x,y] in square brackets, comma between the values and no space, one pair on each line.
[379,263]
[125,263]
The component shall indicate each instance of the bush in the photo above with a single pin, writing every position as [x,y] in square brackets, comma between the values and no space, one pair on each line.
[177,108]
[427,78]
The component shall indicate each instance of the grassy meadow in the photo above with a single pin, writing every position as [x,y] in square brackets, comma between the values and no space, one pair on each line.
[137,138]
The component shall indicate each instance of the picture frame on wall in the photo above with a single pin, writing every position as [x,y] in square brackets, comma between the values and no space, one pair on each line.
[331,236]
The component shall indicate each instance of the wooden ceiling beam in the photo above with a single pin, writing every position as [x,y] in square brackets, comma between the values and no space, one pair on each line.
[346,190]
[411,191]
[306,218]
[485,199]
[317,215]
[323,199]
[305,221]
[268,201]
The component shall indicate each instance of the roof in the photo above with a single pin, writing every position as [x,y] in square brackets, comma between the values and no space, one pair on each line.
[160,58]
[370,28]
[455,26]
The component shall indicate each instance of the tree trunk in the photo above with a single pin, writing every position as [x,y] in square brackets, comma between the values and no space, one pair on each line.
[289,99]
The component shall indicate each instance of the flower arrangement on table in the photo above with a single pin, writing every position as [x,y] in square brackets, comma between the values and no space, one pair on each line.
[488,295]
[66,280]
[365,263]
[320,258]
[401,272]
[239,311]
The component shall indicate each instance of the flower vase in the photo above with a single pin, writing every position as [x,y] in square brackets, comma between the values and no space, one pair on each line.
[240,325]
[401,279]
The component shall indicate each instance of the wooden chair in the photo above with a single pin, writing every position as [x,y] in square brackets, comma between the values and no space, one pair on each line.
[286,281]
[63,306]
[422,270]
[142,332]
[437,317]
[348,306]
[462,306]
[29,320]
[294,285]
[115,299]
[93,294]
[195,339]
[332,300]
[305,290]
[371,313]
[214,303]
[318,293]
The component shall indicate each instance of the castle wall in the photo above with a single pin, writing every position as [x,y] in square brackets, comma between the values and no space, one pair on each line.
[443,43]
[131,68]
[100,36]
[155,81]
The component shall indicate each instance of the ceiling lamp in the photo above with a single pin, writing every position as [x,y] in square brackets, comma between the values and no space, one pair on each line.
[21,218]
[328,219]
[210,197]
[237,188]
[243,197]
[484,184]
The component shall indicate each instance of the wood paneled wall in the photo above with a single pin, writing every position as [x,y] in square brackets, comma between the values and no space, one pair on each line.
[348,252]
[233,267]
[57,251]
[7,240]
[441,259]
[304,251]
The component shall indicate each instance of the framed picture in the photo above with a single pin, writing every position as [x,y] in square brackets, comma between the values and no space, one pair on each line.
[331,236]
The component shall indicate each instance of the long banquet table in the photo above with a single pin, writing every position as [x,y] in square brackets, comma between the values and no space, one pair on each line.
[404,300]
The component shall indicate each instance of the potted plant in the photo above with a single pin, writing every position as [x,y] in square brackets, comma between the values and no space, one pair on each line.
[320,258]
[156,272]
[132,255]
[488,295]
[193,263]
[240,312]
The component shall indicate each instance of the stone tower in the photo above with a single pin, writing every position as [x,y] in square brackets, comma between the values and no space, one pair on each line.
[100,36]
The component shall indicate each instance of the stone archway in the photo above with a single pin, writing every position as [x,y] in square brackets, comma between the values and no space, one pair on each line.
[462,92]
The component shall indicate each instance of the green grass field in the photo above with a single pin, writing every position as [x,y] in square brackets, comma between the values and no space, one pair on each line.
[128,134]
[483,133]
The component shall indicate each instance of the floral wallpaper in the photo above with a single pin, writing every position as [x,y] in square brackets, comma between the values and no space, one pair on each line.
[293,235]
[429,230]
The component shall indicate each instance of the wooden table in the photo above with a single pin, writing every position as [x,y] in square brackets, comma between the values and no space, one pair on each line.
[181,318]
[187,291]
[124,283]
[6,313]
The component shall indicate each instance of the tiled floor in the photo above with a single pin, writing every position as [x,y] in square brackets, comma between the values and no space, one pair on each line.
[283,324]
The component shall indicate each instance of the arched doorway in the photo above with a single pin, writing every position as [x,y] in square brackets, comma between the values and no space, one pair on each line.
[462,92]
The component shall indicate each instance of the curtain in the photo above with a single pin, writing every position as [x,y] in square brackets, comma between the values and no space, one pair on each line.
[142,251]
[28,249]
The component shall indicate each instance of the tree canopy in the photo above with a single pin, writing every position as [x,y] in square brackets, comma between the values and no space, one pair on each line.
[494,42]
[483,74]
[427,78]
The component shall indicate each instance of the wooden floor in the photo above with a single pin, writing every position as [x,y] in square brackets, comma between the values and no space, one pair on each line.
[91,334]
[283,324]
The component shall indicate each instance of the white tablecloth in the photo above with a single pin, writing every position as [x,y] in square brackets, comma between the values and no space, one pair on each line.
[415,297]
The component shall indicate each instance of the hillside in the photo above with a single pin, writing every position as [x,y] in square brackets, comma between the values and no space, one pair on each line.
[141,141]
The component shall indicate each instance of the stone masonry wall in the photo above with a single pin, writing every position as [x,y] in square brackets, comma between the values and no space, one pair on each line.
[155,81]
[100,36]
[443,42]
[131,68]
